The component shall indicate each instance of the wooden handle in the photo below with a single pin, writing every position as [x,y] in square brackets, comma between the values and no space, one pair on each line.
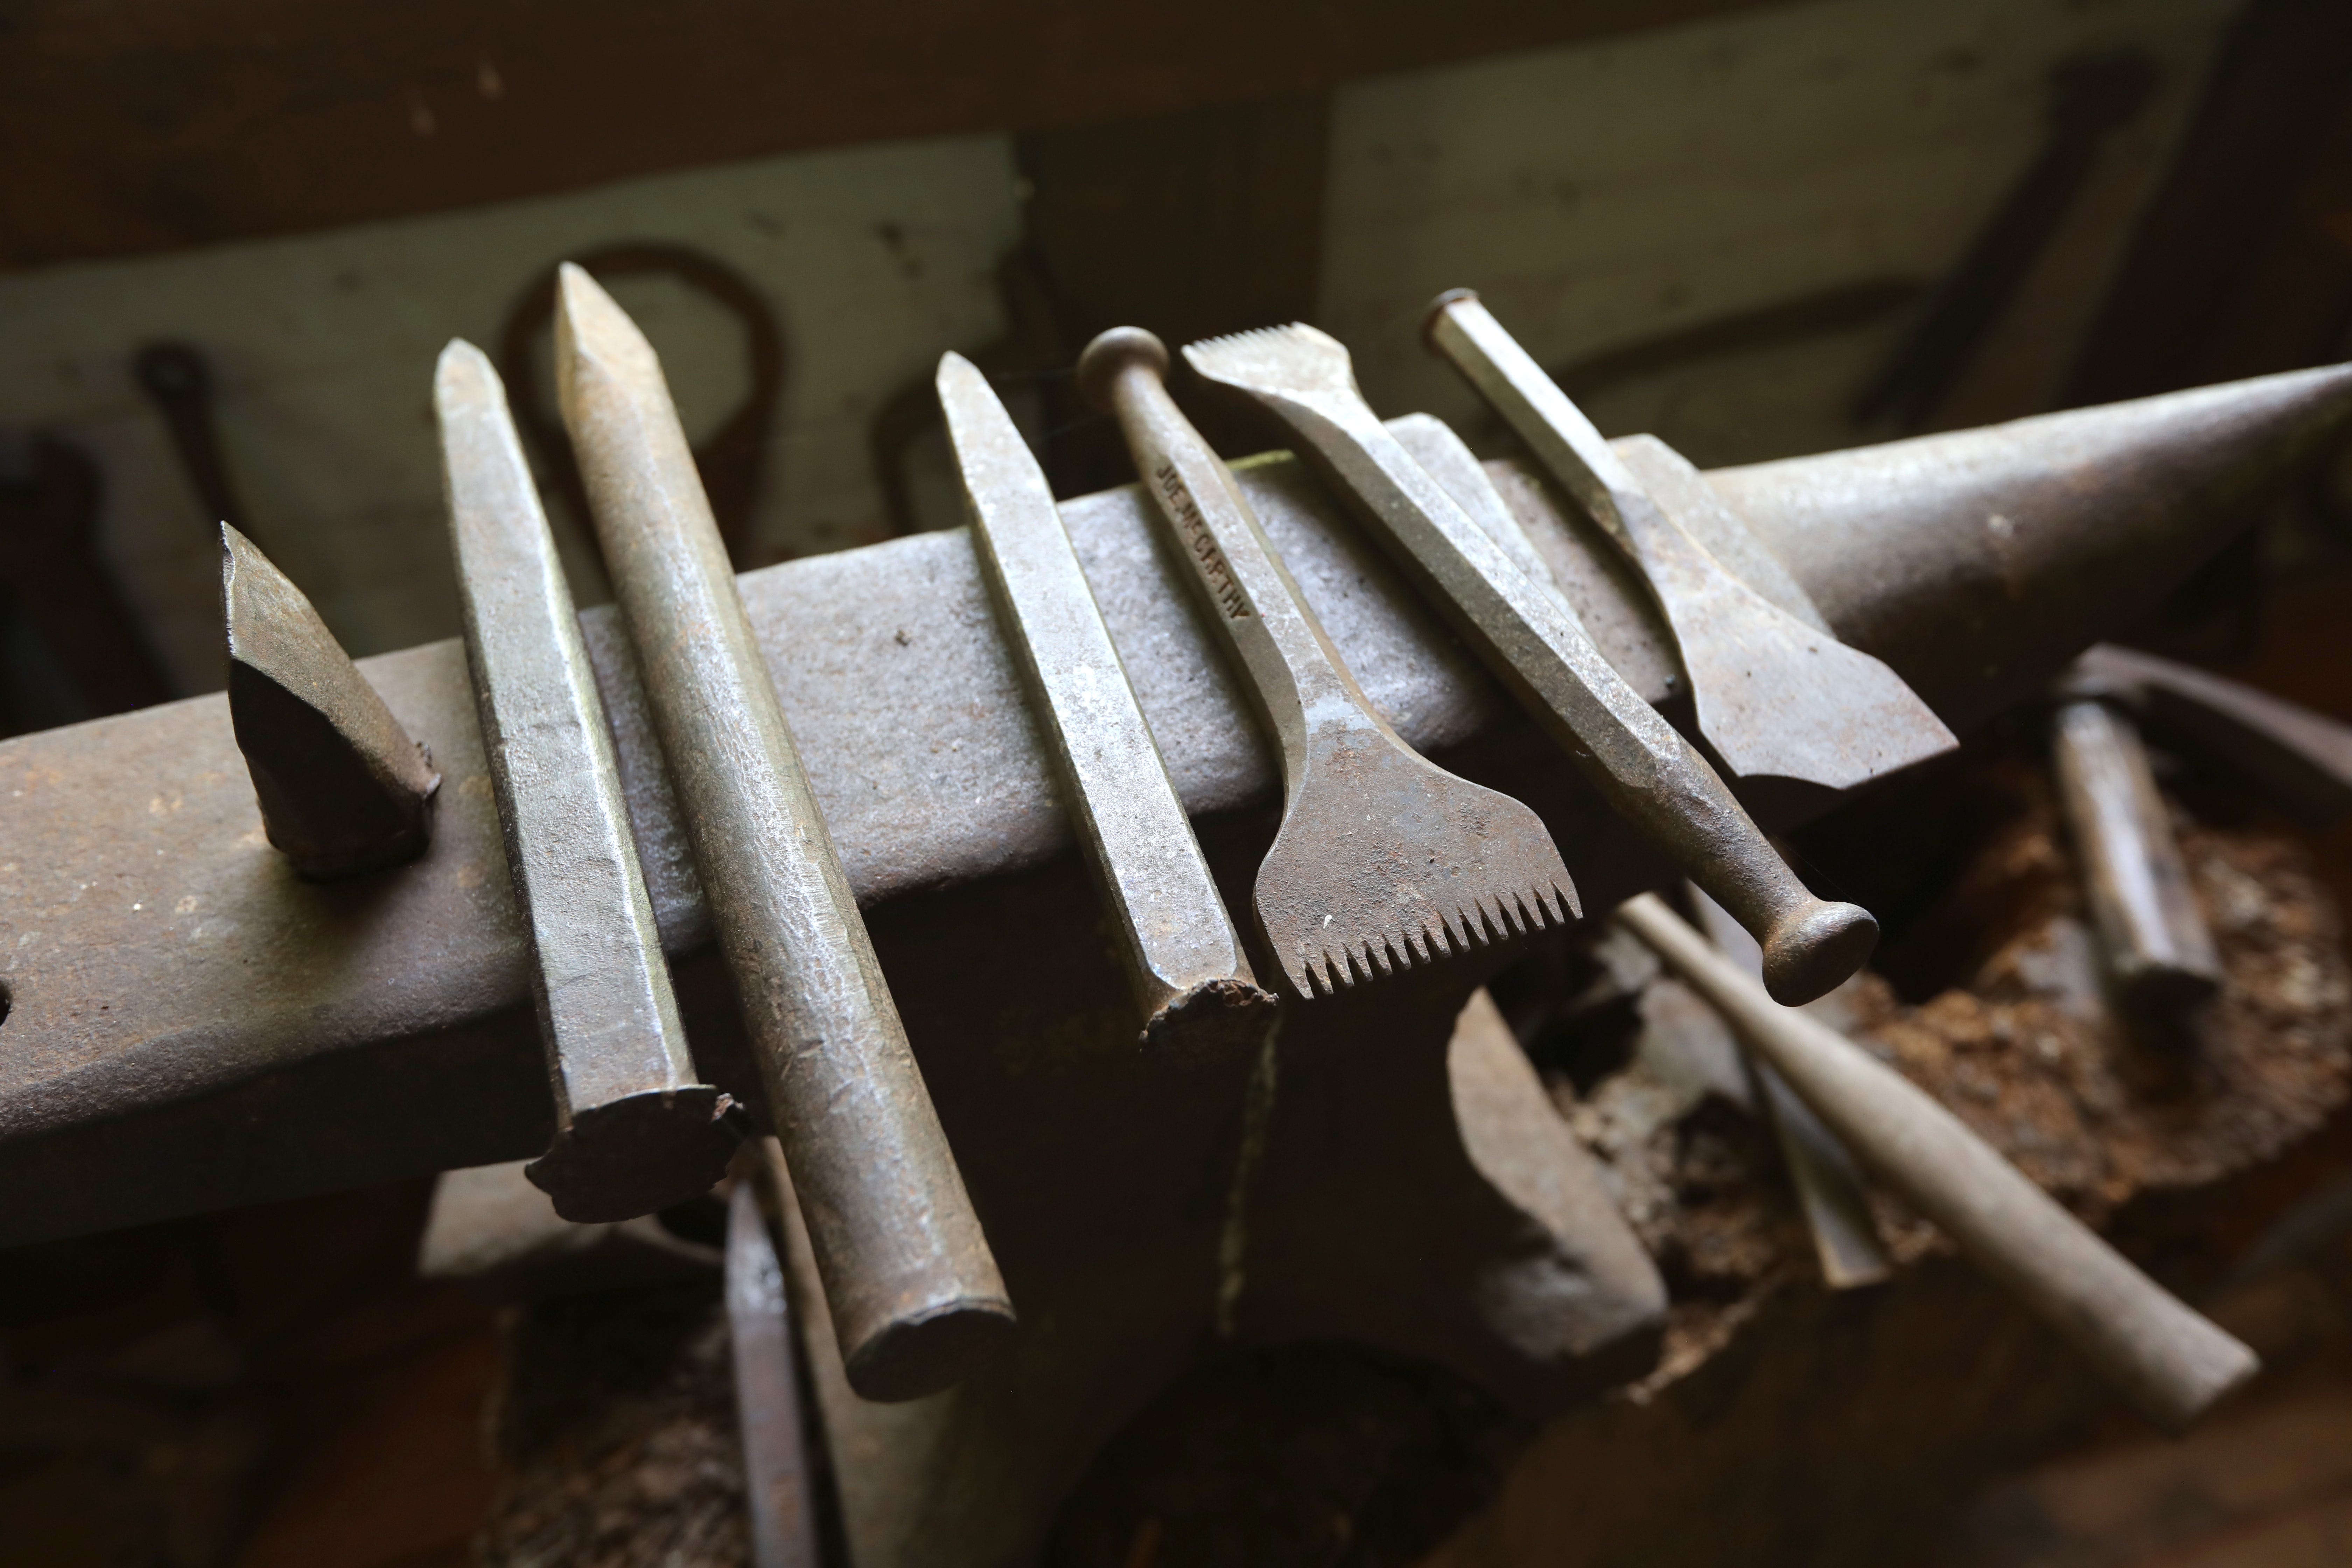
[2169,1360]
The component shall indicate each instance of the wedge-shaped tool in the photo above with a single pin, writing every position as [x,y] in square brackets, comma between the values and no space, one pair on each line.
[1383,860]
[916,1297]
[344,790]
[1829,1189]
[1537,648]
[1184,958]
[2158,949]
[2168,1360]
[634,1130]
[1777,696]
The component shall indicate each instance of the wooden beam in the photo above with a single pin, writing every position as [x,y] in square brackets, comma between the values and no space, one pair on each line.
[150,124]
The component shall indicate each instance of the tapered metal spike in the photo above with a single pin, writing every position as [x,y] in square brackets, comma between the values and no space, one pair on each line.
[634,1130]
[343,789]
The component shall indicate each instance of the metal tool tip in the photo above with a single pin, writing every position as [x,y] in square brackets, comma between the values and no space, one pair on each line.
[589,325]
[1112,352]
[918,1355]
[957,370]
[1816,950]
[464,370]
[1438,307]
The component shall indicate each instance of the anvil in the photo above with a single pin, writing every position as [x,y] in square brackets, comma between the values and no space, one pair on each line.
[190,1026]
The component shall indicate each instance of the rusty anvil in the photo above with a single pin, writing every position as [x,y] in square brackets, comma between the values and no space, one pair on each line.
[189,1026]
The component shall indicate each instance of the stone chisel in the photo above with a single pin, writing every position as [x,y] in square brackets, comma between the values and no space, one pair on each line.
[1537,648]
[1384,860]
[916,1297]
[1184,958]
[634,1130]
[1777,695]
[2169,1360]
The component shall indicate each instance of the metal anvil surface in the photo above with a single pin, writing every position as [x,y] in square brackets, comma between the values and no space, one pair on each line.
[189,1026]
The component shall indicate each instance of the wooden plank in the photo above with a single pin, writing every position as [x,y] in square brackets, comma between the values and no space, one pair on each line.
[2232,265]
[146,125]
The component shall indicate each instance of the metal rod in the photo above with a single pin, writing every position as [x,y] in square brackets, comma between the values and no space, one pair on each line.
[2154,937]
[634,1130]
[2169,1360]
[916,1297]
[767,1389]
[1183,956]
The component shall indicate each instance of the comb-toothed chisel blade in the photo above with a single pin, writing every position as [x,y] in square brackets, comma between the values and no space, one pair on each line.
[916,1296]
[1777,696]
[1183,956]
[634,1130]
[1384,860]
[1537,648]
[344,790]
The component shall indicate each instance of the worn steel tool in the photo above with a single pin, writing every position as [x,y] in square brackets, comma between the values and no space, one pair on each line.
[2301,757]
[1383,860]
[1184,958]
[776,1473]
[634,1130]
[1537,648]
[1777,694]
[344,790]
[2171,1361]
[1829,1188]
[2158,953]
[916,1296]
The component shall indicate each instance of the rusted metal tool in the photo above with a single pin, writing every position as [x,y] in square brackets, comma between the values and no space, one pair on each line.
[767,1385]
[344,790]
[1184,958]
[2159,951]
[1829,1188]
[634,1130]
[2301,757]
[2169,1360]
[917,1298]
[1777,694]
[1537,648]
[1383,860]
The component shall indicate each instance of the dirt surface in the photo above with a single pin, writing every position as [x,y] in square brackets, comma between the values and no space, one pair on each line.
[616,1428]
[2024,1047]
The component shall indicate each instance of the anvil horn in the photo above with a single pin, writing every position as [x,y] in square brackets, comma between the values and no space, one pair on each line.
[1978,561]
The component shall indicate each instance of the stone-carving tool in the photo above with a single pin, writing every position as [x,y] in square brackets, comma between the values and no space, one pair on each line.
[1829,1189]
[2170,1361]
[2158,953]
[1541,653]
[344,790]
[916,1296]
[634,1130]
[1383,860]
[1184,958]
[1777,694]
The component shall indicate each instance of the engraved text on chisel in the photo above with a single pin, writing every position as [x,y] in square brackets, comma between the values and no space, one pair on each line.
[1195,529]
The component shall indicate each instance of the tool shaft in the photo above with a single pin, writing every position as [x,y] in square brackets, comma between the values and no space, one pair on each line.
[915,1292]
[1181,951]
[2154,936]
[1295,675]
[2171,1361]
[634,1130]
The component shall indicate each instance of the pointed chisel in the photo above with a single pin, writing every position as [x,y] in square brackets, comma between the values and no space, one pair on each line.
[1185,959]
[634,1130]
[916,1297]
